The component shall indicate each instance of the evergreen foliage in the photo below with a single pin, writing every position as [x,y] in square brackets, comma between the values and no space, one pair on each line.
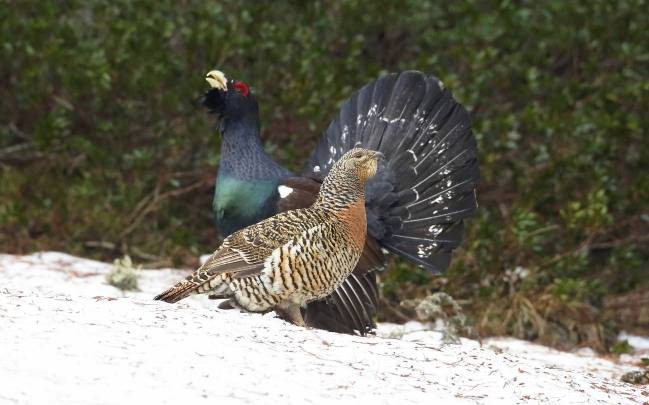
[105,150]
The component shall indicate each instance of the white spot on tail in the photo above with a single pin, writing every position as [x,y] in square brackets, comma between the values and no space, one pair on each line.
[424,251]
[393,120]
[438,200]
[435,230]
[284,191]
[316,169]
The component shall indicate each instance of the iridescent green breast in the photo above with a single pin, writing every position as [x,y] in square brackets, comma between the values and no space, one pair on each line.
[239,203]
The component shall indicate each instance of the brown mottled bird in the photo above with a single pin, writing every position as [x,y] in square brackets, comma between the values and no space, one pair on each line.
[288,260]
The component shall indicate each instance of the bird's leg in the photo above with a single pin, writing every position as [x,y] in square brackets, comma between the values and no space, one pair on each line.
[290,312]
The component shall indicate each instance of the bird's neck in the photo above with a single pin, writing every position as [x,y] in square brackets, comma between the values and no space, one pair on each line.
[342,196]
[339,191]
[242,154]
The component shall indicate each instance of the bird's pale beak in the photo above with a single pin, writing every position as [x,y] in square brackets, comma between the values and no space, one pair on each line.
[217,80]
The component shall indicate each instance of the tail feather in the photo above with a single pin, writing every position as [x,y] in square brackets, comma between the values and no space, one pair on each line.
[196,283]
[350,309]
[418,200]
[178,292]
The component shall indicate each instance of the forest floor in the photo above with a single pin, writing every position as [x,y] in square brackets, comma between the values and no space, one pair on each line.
[67,337]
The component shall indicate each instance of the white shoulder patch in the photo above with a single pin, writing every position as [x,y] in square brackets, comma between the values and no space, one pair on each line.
[284,191]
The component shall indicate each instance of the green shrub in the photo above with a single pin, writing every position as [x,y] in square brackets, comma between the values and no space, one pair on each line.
[621,347]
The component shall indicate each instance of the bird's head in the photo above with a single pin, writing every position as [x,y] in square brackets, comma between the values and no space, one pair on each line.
[362,162]
[229,99]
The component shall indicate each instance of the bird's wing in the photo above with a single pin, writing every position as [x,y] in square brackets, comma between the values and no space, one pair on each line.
[425,188]
[244,252]
[298,192]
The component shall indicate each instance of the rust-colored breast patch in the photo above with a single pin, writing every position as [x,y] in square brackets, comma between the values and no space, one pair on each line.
[356,221]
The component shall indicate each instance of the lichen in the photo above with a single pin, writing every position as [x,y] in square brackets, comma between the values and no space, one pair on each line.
[638,377]
[441,307]
[124,276]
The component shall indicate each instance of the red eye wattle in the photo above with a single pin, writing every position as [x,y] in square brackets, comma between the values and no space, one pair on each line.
[242,88]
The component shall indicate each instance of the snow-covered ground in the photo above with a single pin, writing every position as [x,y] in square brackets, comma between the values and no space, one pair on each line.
[66,337]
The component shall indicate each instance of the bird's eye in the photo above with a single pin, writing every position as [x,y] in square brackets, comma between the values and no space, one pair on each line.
[242,88]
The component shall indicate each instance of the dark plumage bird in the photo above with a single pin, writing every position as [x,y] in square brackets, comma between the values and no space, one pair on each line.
[295,257]
[415,205]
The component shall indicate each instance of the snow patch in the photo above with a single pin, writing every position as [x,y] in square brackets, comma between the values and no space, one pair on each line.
[68,337]
[639,343]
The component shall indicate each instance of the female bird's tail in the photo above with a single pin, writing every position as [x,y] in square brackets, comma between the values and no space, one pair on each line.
[178,292]
[418,200]
[198,282]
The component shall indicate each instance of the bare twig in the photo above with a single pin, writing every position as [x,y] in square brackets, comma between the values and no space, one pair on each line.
[618,242]
[101,244]
[134,251]
[14,148]
[153,201]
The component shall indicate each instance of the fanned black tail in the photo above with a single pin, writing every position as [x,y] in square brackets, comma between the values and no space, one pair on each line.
[419,198]
[350,309]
